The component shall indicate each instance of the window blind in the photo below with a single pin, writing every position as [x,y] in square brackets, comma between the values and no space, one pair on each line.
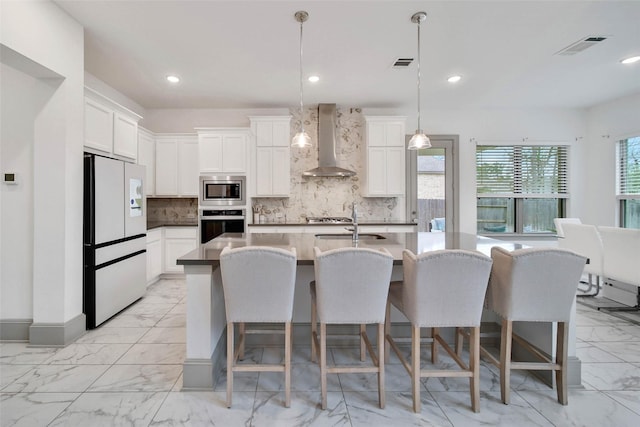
[522,171]
[629,166]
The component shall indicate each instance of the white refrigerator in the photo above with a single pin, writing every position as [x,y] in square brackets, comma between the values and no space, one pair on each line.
[115,226]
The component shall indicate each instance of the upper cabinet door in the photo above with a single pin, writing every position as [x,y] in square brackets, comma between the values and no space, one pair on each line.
[271,155]
[223,150]
[166,167]
[109,128]
[125,136]
[188,174]
[147,158]
[210,149]
[98,126]
[385,173]
[234,153]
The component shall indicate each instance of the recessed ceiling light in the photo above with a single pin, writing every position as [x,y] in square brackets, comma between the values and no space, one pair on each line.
[173,79]
[630,60]
[314,79]
[454,79]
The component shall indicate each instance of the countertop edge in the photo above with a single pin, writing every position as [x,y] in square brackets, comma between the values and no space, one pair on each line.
[152,225]
[345,224]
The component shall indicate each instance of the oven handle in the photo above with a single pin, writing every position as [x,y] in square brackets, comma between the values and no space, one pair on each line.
[221,217]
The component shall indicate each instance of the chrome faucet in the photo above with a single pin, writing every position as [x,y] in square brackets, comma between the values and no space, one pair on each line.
[354,217]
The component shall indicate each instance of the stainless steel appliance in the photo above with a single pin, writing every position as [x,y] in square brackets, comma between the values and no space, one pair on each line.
[214,222]
[222,190]
[114,237]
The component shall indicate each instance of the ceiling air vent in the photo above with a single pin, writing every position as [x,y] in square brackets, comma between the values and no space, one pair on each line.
[402,62]
[581,45]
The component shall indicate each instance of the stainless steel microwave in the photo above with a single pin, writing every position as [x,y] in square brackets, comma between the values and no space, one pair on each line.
[222,190]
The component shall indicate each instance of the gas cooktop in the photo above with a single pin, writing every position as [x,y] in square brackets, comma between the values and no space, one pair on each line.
[329,220]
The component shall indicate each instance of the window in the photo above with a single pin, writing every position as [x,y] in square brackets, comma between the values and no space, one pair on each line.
[628,196]
[521,188]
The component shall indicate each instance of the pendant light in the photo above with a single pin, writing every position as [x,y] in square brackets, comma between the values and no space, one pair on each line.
[419,139]
[302,138]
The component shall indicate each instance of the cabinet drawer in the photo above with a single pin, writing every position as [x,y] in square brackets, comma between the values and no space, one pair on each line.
[181,232]
[154,235]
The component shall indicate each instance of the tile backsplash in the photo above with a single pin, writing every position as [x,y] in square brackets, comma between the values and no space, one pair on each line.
[330,196]
[172,210]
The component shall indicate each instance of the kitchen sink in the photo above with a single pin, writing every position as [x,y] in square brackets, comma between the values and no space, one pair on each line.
[341,236]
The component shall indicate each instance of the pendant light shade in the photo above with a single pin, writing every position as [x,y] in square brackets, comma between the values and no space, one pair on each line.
[302,138]
[419,139]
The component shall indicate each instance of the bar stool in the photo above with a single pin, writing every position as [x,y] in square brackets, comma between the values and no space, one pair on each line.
[533,285]
[351,288]
[258,285]
[444,288]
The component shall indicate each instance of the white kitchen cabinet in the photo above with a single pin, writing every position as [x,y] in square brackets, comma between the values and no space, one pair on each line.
[188,174]
[147,158]
[166,167]
[98,126]
[272,155]
[176,165]
[109,128]
[222,150]
[177,242]
[385,156]
[154,255]
[125,136]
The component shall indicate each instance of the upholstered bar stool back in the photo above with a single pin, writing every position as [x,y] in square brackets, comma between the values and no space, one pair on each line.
[351,287]
[258,284]
[444,288]
[533,285]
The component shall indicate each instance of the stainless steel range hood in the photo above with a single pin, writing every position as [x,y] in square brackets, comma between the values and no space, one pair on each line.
[327,145]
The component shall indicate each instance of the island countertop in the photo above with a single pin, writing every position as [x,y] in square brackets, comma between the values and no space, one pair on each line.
[395,243]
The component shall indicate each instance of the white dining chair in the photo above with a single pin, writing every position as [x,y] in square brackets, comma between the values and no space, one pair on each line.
[585,240]
[444,288]
[350,288]
[258,285]
[533,285]
[621,257]
[560,222]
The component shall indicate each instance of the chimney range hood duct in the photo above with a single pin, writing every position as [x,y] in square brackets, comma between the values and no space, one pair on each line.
[327,145]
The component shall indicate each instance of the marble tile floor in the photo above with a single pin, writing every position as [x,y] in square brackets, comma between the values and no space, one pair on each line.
[128,373]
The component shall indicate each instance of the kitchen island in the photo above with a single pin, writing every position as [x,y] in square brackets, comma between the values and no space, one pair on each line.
[206,320]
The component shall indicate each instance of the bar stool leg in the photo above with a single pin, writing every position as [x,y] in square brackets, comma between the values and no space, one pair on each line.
[505,360]
[459,340]
[415,367]
[323,363]
[287,364]
[229,362]
[363,349]
[387,330]
[381,359]
[241,338]
[314,328]
[434,345]
[561,359]
[474,365]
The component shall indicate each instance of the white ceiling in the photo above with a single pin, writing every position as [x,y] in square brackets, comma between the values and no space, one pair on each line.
[242,54]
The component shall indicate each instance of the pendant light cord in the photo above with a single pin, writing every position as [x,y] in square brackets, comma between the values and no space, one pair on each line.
[301,86]
[419,128]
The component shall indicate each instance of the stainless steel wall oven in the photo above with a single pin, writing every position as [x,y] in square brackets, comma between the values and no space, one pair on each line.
[214,222]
